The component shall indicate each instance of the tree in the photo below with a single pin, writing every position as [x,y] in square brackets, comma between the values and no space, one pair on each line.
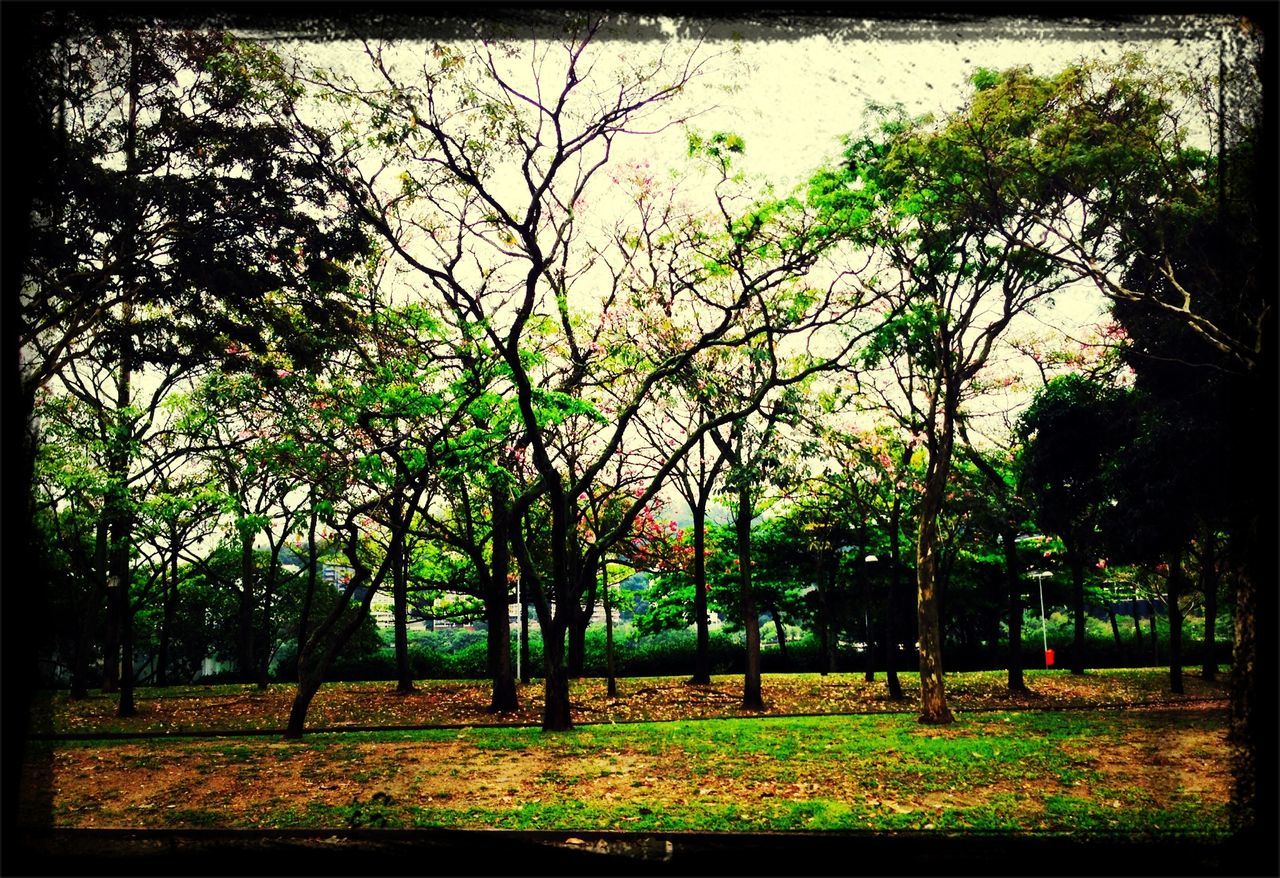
[151,234]
[1007,512]
[181,512]
[509,267]
[695,477]
[348,428]
[1132,197]
[751,448]
[958,280]
[1071,434]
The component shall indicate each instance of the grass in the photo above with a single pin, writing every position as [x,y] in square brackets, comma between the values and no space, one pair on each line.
[1074,772]
[442,702]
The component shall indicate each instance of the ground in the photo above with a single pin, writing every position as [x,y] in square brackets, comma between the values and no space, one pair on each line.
[1107,753]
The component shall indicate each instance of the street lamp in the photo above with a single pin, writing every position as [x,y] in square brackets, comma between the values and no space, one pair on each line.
[1039,575]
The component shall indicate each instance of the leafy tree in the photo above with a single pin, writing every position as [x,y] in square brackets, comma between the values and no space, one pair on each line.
[695,478]
[356,427]
[954,290]
[510,267]
[69,495]
[1114,159]
[1004,512]
[752,449]
[183,511]
[1071,435]
[156,235]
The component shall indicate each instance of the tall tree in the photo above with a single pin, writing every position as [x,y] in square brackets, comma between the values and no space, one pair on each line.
[1071,436]
[153,232]
[512,269]
[954,293]
[1132,195]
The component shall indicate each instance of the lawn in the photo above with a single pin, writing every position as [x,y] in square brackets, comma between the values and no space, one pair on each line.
[462,702]
[1156,767]
[1105,771]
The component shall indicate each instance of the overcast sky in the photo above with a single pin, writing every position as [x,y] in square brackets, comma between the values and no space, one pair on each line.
[802,94]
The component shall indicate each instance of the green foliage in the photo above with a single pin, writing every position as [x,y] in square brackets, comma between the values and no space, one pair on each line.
[912,333]
[718,146]
[1072,433]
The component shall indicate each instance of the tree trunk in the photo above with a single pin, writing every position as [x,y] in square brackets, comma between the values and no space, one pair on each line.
[170,584]
[933,700]
[526,672]
[90,616]
[119,567]
[868,635]
[1013,586]
[400,593]
[1175,620]
[579,621]
[308,685]
[1137,631]
[752,699]
[1209,587]
[891,599]
[1076,560]
[120,515]
[782,637]
[80,661]
[313,562]
[1245,743]
[1155,634]
[1115,630]
[556,715]
[497,608]
[312,666]
[611,683]
[267,635]
[701,618]
[111,642]
[126,706]
[827,659]
[245,634]
[505,699]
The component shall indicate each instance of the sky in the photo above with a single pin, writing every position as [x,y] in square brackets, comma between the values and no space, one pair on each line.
[798,96]
[792,88]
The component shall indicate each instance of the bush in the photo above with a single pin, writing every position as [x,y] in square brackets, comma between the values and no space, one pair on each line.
[1101,650]
[462,654]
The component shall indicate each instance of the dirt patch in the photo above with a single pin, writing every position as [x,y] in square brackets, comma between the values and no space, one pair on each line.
[1165,765]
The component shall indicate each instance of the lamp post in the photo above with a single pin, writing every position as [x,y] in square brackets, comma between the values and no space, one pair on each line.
[1039,576]
[866,609]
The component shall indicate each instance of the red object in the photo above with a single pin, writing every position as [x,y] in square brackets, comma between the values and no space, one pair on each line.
[1048,658]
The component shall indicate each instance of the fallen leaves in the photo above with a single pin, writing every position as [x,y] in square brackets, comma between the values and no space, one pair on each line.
[465,703]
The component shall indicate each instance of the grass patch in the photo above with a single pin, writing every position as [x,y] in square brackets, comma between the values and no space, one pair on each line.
[234,707]
[1012,771]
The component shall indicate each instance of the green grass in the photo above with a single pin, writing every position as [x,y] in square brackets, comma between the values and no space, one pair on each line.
[1005,771]
[1013,755]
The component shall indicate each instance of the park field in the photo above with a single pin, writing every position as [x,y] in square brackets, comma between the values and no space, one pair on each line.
[1112,753]
[375,705]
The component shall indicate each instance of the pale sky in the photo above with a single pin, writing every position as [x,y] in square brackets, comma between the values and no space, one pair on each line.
[793,97]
